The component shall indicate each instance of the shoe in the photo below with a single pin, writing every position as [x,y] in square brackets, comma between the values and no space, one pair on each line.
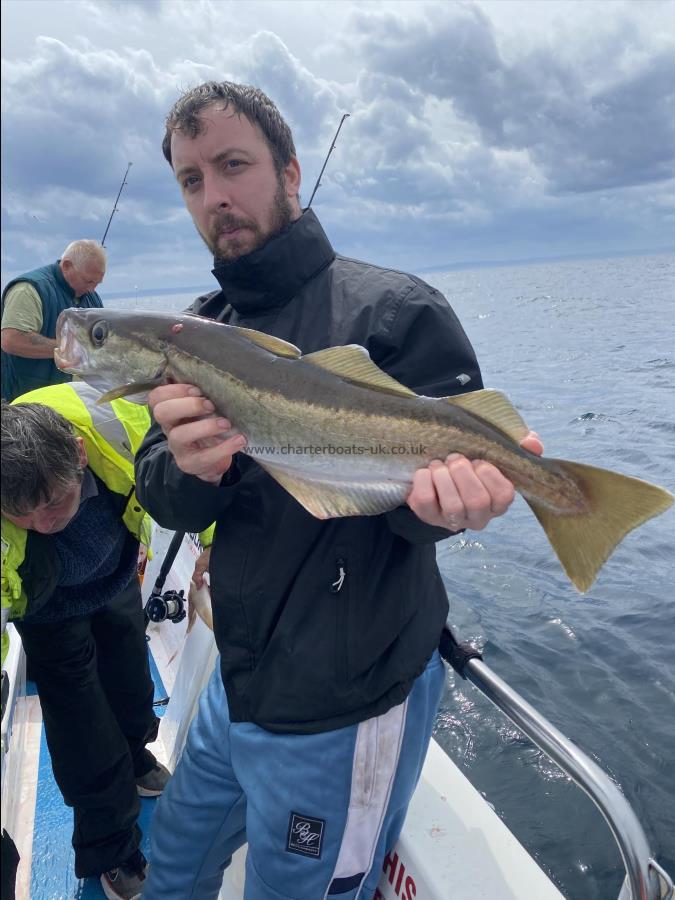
[153,782]
[126,882]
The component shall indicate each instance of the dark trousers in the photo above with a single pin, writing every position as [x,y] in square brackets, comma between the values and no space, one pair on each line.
[93,679]
[10,863]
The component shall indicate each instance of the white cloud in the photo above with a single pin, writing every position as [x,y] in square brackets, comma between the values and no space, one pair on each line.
[497,128]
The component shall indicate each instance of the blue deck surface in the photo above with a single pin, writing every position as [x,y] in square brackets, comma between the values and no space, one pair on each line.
[52,875]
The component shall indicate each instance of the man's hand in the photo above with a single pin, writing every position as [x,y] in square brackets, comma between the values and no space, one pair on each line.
[460,493]
[201,567]
[201,443]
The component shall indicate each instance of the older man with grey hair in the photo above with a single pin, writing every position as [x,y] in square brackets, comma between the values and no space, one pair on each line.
[31,304]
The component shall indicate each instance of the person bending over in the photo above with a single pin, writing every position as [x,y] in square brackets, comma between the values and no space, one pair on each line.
[71,526]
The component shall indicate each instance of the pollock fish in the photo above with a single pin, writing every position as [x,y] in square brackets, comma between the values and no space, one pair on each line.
[342,436]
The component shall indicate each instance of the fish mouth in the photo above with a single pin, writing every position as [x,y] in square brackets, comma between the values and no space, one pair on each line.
[69,356]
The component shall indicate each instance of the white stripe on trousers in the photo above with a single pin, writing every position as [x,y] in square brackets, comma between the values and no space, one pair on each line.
[376,755]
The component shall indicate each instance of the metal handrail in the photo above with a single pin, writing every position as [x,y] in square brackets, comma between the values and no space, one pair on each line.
[645,879]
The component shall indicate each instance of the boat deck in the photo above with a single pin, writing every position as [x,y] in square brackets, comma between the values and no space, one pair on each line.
[46,867]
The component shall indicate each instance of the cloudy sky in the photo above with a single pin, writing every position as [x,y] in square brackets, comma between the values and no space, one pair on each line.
[486,130]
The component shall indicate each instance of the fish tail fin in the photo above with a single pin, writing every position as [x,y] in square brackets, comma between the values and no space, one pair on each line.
[616,504]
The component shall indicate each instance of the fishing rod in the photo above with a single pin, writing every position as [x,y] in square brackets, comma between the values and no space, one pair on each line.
[124,181]
[325,163]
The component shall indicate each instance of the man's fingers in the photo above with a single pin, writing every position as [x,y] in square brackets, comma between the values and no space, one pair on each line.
[201,459]
[422,498]
[201,566]
[499,488]
[201,443]
[473,494]
[191,434]
[434,498]
[209,461]
[533,443]
[177,410]
[460,493]
[451,503]
[171,392]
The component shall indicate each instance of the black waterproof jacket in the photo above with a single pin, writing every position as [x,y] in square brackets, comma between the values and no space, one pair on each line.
[320,624]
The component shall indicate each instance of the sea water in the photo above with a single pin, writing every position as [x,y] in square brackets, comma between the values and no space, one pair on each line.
[586,352]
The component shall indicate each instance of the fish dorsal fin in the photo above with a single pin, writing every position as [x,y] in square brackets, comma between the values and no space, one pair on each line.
[269,342]
[493,407]
[354,364]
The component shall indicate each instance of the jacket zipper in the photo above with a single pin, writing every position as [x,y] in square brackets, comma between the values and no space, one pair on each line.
[342,613]
[341,575]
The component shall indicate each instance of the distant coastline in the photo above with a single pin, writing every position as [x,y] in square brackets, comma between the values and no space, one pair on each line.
[196,290]
[158,292]
[535,260]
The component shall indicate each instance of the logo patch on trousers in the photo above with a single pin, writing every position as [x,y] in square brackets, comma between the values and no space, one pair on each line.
[305,835]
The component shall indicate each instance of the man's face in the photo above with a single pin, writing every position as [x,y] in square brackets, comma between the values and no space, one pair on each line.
[54,515]
[83,279]
[236,198]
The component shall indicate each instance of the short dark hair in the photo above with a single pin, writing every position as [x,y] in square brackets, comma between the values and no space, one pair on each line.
[246,100]
[40,455]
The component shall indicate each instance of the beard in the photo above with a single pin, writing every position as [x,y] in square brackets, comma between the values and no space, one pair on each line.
[280,215]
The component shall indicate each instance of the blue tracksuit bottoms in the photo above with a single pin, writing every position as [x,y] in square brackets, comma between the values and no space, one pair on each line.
[319,811]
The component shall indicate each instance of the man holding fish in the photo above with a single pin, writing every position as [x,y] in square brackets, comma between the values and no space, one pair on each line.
[327,601]
[241,184]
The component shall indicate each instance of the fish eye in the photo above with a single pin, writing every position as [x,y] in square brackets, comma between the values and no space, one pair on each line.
[99,332]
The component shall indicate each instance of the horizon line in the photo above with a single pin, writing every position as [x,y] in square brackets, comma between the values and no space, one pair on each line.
[441,267]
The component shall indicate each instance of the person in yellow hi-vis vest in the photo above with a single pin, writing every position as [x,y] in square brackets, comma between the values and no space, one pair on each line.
[71,529]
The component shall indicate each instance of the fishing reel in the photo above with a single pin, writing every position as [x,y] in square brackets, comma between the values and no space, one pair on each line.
[168,605]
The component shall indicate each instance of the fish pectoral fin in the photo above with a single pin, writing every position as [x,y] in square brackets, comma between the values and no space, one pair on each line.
[130,390]
[136,387]
[269,342]
[353,363]
[336,499]
[495,408]
[616,504]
